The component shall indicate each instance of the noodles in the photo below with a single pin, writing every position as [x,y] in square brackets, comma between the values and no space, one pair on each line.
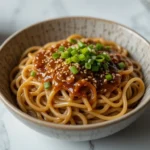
[77,81]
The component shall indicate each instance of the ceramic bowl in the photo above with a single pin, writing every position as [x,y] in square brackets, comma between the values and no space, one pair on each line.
[57,29]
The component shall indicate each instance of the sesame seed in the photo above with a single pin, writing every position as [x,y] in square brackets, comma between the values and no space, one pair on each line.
[105,90]
[105,80]
[118,75]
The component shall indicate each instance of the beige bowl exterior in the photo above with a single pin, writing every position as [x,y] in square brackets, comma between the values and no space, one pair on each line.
[57,29]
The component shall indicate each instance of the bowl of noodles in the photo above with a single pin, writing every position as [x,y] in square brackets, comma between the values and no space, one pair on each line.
[75,78]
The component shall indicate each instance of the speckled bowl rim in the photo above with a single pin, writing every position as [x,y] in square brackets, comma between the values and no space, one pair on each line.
[73,127]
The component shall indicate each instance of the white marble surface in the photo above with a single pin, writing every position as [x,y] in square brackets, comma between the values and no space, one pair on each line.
[17,14]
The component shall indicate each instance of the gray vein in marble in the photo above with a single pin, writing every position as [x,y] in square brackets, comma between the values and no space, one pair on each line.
[146,3]
[91,145]
[4,140]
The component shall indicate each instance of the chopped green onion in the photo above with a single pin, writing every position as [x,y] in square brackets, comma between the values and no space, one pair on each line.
[33,73]
[73,47]
[108,77]
[73,41]
[55,55]
[73,69]
[81,44]
[84,51]
[87,57]
[69,50]
[99,64]
[65,54]
[107,57]
[121,65]
[107,47]
[81,57]
[93,57]
[89,49]
[87,65]
[61,48]
[47,85]
[90,61]
[100,58]
[99,46]
[68,60]
[90,46]
[85,54]
[95,68]
[105,65]
[74,59]
[73,52]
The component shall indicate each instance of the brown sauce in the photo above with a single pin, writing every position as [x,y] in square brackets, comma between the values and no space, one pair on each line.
[57,72]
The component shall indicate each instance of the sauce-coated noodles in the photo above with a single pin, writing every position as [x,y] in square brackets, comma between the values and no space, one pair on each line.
[77,81]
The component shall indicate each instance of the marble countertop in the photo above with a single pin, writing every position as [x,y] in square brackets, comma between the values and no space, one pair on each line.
[17,14]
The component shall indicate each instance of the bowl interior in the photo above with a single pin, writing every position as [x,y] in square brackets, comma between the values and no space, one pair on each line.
[52,30]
